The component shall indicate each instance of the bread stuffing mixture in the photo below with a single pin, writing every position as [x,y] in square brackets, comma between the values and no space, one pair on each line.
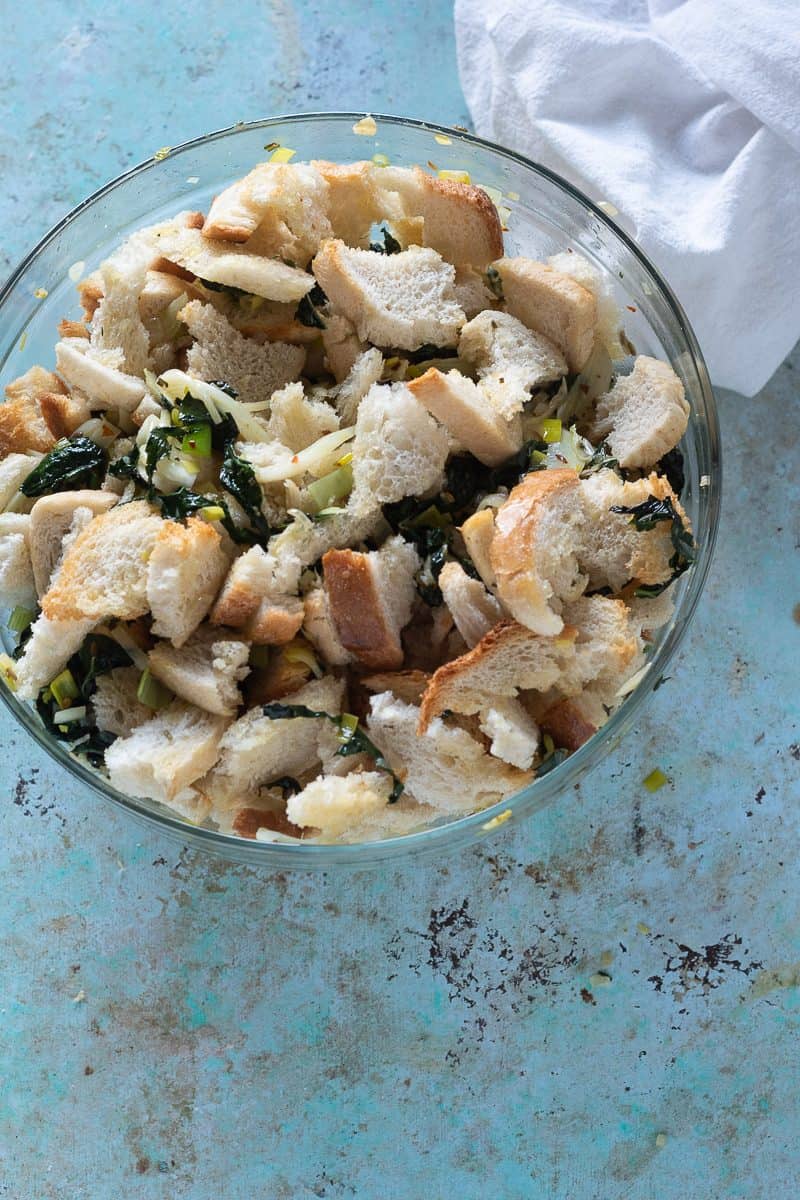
[329,521]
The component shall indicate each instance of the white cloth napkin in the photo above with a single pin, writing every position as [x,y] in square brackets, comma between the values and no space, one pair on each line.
[685,115]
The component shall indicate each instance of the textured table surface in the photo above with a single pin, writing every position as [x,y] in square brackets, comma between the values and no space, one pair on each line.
[602,1003]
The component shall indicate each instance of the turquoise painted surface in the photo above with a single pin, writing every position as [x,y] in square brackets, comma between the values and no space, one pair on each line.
[172,1026]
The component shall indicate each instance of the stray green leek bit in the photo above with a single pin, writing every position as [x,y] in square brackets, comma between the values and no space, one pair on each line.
[655,780]
[352,737]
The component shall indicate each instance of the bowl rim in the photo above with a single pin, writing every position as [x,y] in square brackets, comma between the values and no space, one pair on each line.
[536,795]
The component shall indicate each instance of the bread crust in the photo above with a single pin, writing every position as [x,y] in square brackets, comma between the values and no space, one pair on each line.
[408,686]
[512,551]
[357,612]
[502,638]
[552,304]
[566,725]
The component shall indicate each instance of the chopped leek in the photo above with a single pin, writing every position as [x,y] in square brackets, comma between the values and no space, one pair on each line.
[20,619]
[550,430]
[212,512]
[282,155]
[348,724]
[299,651]
[655,780]
[332,487]
[8,671]
[380,160]
[151,692]
[455,176]
[315,460]
[197,441]
[66,716]
[64,688]
[174,385]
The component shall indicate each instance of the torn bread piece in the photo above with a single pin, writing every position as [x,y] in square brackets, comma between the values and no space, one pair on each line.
[474,609]
[161,759]
[404,300]
[478,533]
[609,317]
[551,303]
[220,352]
[51,520]
[513,733]
[342,345]
[466,411]
[98,374]
[510,359]
[613,552]
[643,416]
[14,470]
[472,292]
[115,702]
[444,766]
[17,585]
[258,750]
[606,646]
[280,209]
[104,573]
[49,648]
[297,420]
[206,670]
[533,550]
[399,449]
[334,804]
[508,660]
[572,721]
[185,569]
[359,198]
[235,266]
[319,628]
[408,686]
[64,413]
[22,424]
[256,598]
[460,221]
[365,371]
[370,597]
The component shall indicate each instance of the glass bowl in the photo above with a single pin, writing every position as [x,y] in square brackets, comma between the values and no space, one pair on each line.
[545,215]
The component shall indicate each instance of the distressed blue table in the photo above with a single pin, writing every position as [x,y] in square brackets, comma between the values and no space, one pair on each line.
[602,1003]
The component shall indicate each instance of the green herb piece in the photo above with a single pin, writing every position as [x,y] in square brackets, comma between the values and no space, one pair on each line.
[97,656]
[354,741]
[387,244]
[20,619]
[600,461]
[152,693]
[644,517]
[308,310]
[238,477]
[177,506]
[93,748]
[125,466]
[234,292]
[495,282]
[158,446]
[75,462]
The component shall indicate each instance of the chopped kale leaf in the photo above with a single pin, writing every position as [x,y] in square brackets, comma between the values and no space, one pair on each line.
[75,462]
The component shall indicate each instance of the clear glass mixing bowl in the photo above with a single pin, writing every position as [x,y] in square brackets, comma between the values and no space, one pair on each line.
[546,215]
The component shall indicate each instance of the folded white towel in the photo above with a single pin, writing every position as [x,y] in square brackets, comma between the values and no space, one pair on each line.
[686,117]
